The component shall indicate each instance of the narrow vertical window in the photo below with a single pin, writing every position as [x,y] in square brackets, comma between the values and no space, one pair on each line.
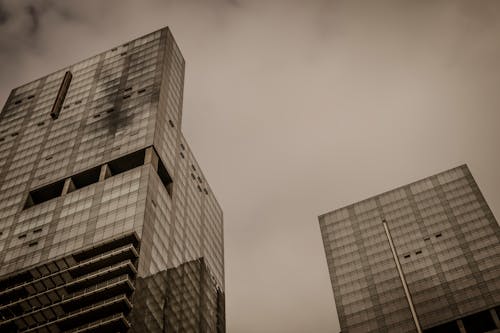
[61,95]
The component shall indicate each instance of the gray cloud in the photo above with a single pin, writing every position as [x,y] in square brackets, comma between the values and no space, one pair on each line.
[296,108]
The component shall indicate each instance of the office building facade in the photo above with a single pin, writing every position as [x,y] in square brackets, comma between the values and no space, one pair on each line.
[101,200]
[424,257]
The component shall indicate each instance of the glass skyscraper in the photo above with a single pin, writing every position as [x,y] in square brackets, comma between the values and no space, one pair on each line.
[424,257]
[107,223]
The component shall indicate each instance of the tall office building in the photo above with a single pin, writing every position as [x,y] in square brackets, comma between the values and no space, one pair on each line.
[107,223]
[424,257]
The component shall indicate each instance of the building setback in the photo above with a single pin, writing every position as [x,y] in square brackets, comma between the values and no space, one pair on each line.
[424,257]
[107,223]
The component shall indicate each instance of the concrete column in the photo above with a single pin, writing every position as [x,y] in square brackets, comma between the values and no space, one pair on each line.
[461,326]
[494,315]
[68,186]
[151,157]
[105,172]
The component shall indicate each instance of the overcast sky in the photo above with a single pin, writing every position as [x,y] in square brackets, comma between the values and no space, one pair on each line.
[296,108]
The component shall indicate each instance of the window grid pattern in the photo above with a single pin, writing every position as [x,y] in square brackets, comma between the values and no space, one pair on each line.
[447,241]
[118,102]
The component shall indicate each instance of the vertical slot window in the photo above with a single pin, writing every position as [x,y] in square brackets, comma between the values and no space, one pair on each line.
[61,95]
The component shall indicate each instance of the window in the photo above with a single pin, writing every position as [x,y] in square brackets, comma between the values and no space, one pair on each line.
[86,178]
[44,193]
[91,176]
[418,252]
[171,123]
[127,162]
[165,177]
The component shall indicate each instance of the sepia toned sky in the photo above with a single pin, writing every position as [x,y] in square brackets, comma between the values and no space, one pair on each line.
[296,108]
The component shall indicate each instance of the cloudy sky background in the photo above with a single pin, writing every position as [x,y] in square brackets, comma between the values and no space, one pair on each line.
[296,108]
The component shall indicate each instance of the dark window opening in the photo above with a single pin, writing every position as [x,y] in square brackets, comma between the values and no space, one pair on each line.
[199,180]
[438,235]
[110,110]
[2,139]
[407,256]
[199,188]
[78,102]
[31,96]
[153,202]
[165,177]
[41,123]
[86,177]
[37,230]
[192,166]
[427,238]
[97,115]
[113,49]
[66,107]
[127,162]
[182,146]
[171,123]
[182,155]
[192,176]
[418,252]
[45,193]
[450,327]
[91,176]
[479,322]
[21,236]
[126,96]
[14,134]
[128,89]
[17,102]
[123,53]
[205,190]
[1,233]
[141,91]
[61,95]
[48,158]
[32,244]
